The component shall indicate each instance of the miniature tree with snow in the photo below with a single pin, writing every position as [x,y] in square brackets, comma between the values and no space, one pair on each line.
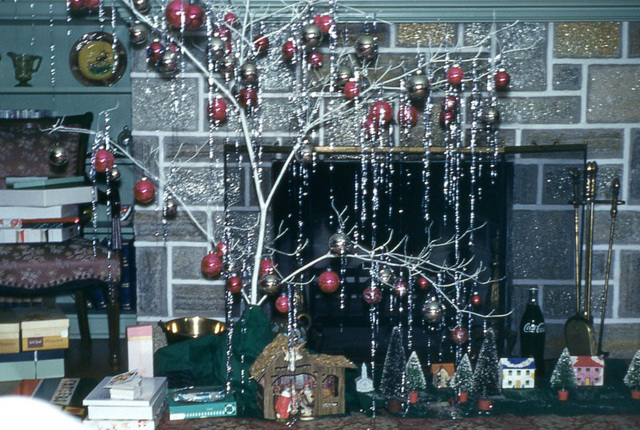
[486,378]
[415,380]
[393,373]
[462,380]
[563,377]
[632,377]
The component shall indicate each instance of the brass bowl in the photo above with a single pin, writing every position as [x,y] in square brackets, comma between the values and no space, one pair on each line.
[180,329]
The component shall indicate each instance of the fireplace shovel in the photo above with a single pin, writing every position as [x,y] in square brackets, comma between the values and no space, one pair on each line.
[578,329]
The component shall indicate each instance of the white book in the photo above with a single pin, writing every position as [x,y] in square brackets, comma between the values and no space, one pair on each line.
[113,424]
[152,389]
[39,235]
[28,212]
[127,412]
[46,197]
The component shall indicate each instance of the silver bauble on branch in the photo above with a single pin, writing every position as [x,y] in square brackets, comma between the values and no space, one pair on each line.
[170,208]
[217,48]
[227,65]
[125,138]
[305,153]
[366,47]
[169,65]
[269,284]
[340,244]
[311,36]
[343,74]
[58,156]
[432,310]
[114,175]
[142,6]
[386,277]
[491,116]
[138,34]
[249,73]
[418,87]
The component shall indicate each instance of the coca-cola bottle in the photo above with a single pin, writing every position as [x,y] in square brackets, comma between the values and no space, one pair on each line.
[533,331]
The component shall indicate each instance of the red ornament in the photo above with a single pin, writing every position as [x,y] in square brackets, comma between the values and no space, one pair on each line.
[223,32]
[351,90]
[103,160]
[211,265]
[76,5]
[501,79]
[372,295]
[455,74]
[450,104]
[315,59]
[234,284]
[407,116]
[92,5]
[476,299]
[282,304]
[289,50]
[222,249]
[231,19]
[328,281]
[195,17]
[381,111]
[144,191]
[217,110]
[400,287]
[446,118]
[323,22]
[423,283]
[459,335]
[266,266]
[176,12]
[261,44]
[155,51]
[248,98]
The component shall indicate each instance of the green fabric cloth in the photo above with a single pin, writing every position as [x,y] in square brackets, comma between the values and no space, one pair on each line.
[206,358]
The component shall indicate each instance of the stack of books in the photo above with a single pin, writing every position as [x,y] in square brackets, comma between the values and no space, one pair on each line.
[142,412]
[36,210]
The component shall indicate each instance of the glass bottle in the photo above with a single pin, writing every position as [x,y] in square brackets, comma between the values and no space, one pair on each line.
[533,331]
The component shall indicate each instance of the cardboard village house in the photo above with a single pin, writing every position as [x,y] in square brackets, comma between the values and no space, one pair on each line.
[295,381]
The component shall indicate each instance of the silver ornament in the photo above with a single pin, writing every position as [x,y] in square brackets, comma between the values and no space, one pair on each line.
[227,65]
[491,116]
[169,65]
[124,137]
[366,47]
[170,209]
[249,73]
[138,34]
[343,74]
[142,6]
[58,156]
[305,153]
[217,48]
[432,310]
[340,244]
[114,174]
[418,87]
[269,284]
[385,276]
[311,36]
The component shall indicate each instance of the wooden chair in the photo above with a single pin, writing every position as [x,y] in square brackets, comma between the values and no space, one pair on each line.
[75,265]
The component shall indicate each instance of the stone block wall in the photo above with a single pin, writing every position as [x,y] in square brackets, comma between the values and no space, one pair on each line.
[575,82]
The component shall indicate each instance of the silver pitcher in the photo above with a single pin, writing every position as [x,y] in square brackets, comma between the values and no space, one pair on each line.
[25,66]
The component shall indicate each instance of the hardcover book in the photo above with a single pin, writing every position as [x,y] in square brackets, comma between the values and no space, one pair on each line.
[28,212]
[102,406]
[193,410]
[46,197]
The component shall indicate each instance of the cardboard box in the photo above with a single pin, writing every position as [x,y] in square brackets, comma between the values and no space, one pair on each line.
[140,349]
[9,332]
[43,329]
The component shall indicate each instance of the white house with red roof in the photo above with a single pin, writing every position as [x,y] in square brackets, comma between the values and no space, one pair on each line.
[589,370]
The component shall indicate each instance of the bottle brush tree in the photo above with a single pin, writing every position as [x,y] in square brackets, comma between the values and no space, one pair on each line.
[486,378]
[393,373]
[415,380]
[632,377]
[462,380]
[563,376]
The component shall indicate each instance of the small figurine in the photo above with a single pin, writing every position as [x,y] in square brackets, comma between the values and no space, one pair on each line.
[306,403]
[283,405]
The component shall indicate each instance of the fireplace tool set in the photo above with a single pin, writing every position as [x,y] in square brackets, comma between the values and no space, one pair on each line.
[579,331]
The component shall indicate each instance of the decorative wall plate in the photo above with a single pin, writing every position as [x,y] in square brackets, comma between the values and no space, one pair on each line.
[98,60]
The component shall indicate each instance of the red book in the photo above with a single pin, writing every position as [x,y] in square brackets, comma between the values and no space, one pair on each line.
[27,387]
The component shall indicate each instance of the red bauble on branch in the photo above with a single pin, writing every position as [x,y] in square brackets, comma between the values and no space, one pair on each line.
[501,79]
[234,284]
[460,335]
[248,98]
[381,111]
[76,5]
[103,160]
[400,287]
[222,249]
[372,295]
[231,19]
[450,104]
[261,44]
[282,304]
[195,17]
[423,283]
[476,299]
[329,281]
[315,59]
[351,90]
[289,50]
[323,22]
[144,191]
[176,12]
[92,5]
[218,110]
[407,116]
[266,266]
[155,51]
[455,75]
[211,265]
